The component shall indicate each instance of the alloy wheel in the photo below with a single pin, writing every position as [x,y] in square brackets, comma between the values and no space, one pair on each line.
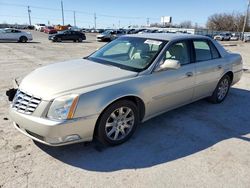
[223,89]
[120,123]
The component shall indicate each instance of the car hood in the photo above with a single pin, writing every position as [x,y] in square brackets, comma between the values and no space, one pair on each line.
[60,78]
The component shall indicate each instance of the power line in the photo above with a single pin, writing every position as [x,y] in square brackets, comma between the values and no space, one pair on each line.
[77,11]
[62,10]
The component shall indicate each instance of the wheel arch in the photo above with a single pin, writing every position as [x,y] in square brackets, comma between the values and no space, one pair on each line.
[135,99]
[22,36]
[230,74]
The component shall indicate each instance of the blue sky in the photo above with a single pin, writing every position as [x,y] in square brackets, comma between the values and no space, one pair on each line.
[112,13]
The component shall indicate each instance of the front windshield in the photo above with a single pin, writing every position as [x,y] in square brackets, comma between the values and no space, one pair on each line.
[130,53]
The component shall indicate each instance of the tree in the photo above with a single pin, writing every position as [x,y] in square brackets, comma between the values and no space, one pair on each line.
[186,24]
[226,22]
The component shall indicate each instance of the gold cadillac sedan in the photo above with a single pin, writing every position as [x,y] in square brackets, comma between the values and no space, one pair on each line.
[126,82]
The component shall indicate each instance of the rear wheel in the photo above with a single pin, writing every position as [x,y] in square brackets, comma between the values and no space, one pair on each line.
[117,123]
[80,40]
[221,91]
[23,39]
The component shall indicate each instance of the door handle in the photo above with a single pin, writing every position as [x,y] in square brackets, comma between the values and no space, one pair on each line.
[189,74]
[219,66]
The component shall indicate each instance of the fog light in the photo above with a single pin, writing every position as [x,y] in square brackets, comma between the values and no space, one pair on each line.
[54,140]
[72,138]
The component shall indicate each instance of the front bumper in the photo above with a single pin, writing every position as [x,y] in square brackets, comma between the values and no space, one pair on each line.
[54,133]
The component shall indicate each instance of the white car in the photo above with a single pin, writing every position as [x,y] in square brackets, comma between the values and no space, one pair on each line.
[39,27]
[9,34]
[246,38]
[223,37]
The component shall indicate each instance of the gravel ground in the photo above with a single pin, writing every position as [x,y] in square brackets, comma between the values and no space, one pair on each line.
[198,145]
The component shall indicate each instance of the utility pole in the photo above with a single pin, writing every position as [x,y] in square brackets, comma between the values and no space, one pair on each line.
[147,21]
[62,12]
[246,19]
[75,18]
[29,11]
[95,19]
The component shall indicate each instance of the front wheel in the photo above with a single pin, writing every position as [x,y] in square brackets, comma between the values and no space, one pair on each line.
[117,123]
[57,40]
[221,91]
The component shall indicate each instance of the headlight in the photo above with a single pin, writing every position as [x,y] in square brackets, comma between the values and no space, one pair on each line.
[63,108]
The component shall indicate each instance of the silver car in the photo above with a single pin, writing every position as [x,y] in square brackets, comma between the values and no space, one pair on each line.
[128,81]
[109,35]
[10,34]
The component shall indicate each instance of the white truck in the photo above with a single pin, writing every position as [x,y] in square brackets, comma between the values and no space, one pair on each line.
[39,27]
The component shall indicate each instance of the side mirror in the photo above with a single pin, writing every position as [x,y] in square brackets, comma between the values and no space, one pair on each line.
[169,64]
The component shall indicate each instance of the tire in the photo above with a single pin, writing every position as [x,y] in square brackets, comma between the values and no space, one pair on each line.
[117,123]
[23,39]
[57,40]
[80,40]
[221,91]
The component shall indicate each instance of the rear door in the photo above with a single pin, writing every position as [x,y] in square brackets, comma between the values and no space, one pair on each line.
[209,68]
[67,35]
[75,35]
[15,34]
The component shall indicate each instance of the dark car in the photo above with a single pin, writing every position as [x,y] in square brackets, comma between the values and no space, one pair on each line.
[68,35]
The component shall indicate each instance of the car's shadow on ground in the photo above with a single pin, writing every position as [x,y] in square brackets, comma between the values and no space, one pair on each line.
[171,136]
[63,42]
[29,42]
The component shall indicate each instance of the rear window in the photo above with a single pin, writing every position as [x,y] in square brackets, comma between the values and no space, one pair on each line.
[214,51]
[202,51]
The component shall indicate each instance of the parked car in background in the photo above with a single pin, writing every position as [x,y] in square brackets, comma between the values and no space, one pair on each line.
[246,38]
[235,37]
[223,37]
[109,35]
[10,34]
[68,35]
[50,30]
[130,80]
[39,27]
[73,28]
[61,27]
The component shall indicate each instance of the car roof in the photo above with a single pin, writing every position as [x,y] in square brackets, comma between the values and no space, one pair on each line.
[168,36]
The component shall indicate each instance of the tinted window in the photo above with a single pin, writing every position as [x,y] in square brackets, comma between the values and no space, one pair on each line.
[15,31]
[202,51]
[215,53]
[179,51]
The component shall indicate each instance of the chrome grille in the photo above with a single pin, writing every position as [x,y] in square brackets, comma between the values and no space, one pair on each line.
[25,103]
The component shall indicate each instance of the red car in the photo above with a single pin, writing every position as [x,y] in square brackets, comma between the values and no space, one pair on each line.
[50,30]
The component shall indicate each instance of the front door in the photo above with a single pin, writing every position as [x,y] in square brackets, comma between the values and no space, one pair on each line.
[173,88]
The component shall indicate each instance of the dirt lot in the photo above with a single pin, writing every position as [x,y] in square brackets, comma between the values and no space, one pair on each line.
[199,145]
